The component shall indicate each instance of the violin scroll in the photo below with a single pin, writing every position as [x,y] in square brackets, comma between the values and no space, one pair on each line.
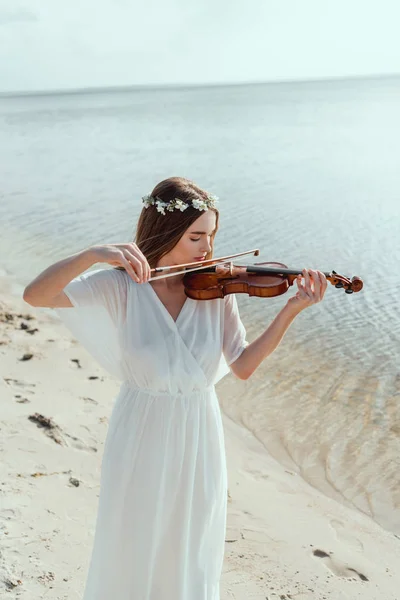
[350,286]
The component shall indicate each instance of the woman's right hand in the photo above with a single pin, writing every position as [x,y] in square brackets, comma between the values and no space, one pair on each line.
[124,255]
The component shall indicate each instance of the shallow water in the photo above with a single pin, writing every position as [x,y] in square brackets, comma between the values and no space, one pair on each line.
[307,172]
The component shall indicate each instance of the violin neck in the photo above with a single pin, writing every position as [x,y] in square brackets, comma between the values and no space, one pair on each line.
[264,270]
[276,270]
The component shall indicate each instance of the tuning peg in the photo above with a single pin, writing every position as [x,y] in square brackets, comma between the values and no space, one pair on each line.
[348,291]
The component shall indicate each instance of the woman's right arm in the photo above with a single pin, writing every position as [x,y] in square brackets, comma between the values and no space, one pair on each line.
[46,290]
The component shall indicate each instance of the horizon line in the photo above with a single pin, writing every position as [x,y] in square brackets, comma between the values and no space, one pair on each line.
[176,86]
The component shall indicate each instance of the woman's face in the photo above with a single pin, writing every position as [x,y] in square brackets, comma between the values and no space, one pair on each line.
[195,242]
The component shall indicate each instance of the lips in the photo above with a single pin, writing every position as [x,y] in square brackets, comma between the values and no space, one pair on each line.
[198,258]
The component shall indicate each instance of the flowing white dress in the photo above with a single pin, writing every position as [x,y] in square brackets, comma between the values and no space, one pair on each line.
[160,529]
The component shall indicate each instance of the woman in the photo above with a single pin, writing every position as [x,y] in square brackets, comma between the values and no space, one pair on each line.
[163,496]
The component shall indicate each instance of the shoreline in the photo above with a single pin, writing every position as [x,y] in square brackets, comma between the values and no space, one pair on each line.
[284,539]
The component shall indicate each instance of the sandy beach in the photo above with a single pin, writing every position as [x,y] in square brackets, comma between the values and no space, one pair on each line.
[284,539]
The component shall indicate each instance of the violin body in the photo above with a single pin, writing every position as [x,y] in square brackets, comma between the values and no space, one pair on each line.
[217,282]
[257,280]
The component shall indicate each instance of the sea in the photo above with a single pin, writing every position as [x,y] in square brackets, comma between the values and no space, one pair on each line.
[307,172]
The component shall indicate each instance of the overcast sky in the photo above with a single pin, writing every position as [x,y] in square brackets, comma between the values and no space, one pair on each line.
[57,44]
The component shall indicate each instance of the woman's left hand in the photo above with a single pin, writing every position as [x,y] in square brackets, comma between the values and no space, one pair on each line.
[311,292]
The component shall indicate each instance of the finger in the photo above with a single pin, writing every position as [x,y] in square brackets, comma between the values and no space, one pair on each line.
[125,263]
[136,264]
[317,285]
[324,283]
[312,289]
[143,260]
[147,271]
[307,286]
[300,283]
[302,291]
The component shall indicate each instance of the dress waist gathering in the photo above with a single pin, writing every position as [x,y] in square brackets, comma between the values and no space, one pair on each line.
[129,385]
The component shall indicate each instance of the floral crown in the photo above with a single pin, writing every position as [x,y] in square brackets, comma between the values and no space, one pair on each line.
[177,204]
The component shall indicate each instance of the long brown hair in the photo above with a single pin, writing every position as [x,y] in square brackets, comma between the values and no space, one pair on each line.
[157,234]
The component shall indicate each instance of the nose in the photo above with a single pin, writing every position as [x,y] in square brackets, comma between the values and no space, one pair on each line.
[206,246]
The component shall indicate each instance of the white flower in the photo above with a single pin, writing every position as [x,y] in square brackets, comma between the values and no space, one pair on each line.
[178,204]
[199,204]
[147,200]
[213,200]
[181,205]
[161,207]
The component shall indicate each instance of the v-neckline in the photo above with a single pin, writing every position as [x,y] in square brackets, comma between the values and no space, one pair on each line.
[174,321]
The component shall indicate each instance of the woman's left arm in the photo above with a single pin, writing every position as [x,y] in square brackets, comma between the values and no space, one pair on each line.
[309,293]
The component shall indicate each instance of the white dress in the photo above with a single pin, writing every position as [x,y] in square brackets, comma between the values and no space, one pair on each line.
[160,530]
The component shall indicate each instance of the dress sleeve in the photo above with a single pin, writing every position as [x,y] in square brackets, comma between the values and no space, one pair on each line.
[234,332]
[98,314]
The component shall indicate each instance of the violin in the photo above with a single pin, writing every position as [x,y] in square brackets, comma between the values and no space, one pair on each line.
[215,278]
